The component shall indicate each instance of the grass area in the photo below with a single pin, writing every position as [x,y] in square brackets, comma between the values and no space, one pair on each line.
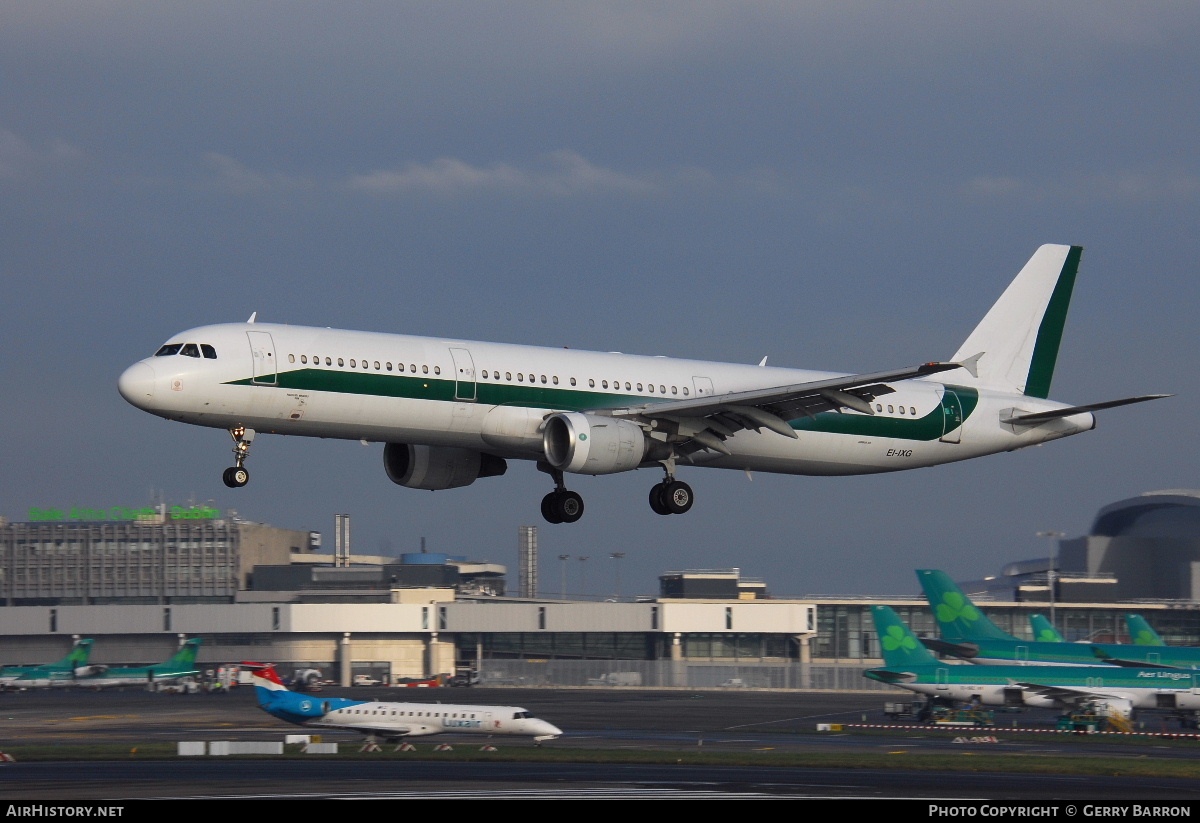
[965,760]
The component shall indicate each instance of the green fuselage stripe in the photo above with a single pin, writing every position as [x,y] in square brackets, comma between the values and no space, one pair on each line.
[1049,336]
[932,426]
[423,387]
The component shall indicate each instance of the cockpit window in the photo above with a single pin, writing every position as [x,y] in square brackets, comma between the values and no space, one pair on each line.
[209,352]
[168,350]
[190,350]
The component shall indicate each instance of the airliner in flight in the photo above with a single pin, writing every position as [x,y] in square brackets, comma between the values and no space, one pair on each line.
[392,721]
[452,411]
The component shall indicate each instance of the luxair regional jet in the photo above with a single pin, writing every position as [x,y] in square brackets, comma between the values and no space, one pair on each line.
[392,721]
[452,411]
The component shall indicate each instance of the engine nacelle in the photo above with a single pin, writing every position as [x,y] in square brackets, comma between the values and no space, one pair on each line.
[590,444]
[91,670]
[438,467]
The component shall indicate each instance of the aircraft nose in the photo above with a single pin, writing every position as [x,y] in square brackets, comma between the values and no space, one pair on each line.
[545,728]
[136,384]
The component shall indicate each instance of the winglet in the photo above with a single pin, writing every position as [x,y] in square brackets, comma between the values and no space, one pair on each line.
[252,316]
[971,364]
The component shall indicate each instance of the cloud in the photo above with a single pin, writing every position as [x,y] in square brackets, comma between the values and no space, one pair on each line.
[19,158]
[1121,185]
[560,174]
[234,177]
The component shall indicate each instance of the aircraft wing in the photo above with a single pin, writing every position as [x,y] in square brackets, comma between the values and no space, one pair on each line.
[386,731]
[705,422]
[1105,657]
[1070,694]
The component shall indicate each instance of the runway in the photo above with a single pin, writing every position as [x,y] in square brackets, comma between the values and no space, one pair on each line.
[592,719]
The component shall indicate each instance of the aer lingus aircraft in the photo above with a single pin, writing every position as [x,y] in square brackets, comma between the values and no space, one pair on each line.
[1143,633]
[452,411]
[182,664]
[392,721]
[909,665]
[967,633]
[65,672]
[1044,630]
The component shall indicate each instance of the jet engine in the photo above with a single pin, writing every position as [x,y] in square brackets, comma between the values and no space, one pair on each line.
[90,670]
[590,444]
[438,467]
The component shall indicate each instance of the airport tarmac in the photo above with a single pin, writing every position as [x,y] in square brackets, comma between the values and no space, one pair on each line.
[591,719]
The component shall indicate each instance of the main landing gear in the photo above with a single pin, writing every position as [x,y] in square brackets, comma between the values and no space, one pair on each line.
[236,475]
[671,497]
[560,505]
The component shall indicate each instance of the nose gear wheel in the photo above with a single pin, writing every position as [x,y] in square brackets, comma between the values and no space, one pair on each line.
[236,475]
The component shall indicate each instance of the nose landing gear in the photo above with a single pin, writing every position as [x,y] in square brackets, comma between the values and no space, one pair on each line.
[236,476]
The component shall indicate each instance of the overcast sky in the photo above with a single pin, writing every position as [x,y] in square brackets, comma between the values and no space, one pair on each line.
[844,186]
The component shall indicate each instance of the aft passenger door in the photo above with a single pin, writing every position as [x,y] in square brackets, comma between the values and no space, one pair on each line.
[952,414]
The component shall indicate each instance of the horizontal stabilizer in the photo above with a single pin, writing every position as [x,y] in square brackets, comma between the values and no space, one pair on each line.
[1042,417]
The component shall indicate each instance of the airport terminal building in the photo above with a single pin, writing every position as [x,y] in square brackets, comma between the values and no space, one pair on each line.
[255,592]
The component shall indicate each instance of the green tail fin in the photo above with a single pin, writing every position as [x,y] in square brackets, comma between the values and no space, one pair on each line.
[185,658]
[1141,631]
[1043,630]
[956,615]
[898,646]
[78,655]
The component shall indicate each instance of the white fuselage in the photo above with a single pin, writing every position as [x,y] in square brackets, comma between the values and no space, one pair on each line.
[422,719]
[493,398]
[1057,687]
